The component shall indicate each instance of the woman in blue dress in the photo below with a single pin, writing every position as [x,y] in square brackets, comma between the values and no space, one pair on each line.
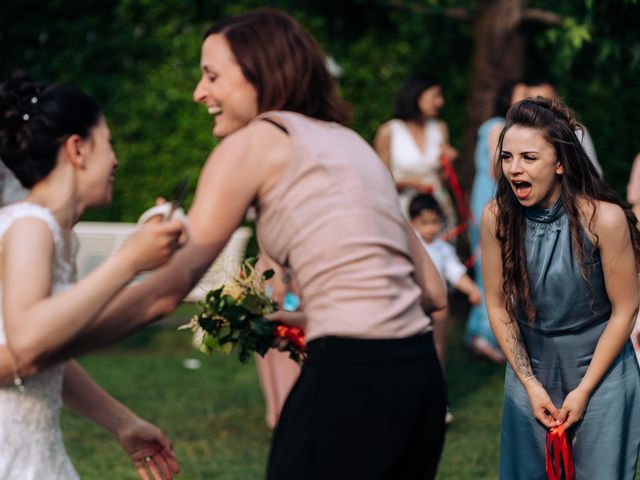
[478,335]
[560,265]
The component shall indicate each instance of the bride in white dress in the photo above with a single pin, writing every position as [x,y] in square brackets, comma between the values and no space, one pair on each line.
[57,143]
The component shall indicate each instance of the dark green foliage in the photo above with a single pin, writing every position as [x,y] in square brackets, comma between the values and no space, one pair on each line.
[140,60]
[594,60]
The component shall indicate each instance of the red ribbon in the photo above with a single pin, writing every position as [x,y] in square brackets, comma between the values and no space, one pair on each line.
[294,334]
[458,194]
[461,205]
[556,451]
[454,232]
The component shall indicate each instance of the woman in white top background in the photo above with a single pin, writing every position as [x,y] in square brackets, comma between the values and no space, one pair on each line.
[412,143]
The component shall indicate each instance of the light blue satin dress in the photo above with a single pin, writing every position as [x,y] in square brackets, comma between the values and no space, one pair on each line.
[571,314]
[482,191]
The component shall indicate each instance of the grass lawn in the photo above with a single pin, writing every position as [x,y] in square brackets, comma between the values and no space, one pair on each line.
[215,416]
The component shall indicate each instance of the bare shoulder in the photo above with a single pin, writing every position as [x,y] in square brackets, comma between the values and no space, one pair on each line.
[609,217]
[259,144]
[28,236]
[489,239]
[30,229]
[384,132]
[604,218]
[490,213]
[603,221]
[266,135]
[442,125]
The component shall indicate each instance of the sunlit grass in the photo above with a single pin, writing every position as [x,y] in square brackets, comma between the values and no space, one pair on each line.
[215,415]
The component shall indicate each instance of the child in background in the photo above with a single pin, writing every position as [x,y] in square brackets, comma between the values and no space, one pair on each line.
[427,218]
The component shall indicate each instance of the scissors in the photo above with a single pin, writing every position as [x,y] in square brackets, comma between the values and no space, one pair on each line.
[179,194]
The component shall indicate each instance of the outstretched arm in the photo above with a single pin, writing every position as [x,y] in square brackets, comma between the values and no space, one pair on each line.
[36,321]
[244,166]
[506,330]
[468,287]
[145,444]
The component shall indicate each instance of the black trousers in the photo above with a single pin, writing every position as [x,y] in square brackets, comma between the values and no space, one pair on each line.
[363,409]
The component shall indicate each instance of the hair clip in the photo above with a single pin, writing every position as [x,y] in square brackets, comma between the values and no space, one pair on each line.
[25,117]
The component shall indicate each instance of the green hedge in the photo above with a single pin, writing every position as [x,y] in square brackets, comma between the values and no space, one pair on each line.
[140,60]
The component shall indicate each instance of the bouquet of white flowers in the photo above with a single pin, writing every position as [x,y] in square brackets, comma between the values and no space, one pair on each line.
[232,318]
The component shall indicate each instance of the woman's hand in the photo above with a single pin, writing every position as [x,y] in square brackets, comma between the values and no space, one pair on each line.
[150,449]
[152,245]
[573,407]
[475,296]
[543,408]
[292,319]
[449,152]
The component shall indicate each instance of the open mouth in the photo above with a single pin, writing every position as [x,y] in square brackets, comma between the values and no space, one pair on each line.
[522,189]
[214,110]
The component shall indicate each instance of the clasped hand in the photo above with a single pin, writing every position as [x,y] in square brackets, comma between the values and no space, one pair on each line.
[547,413]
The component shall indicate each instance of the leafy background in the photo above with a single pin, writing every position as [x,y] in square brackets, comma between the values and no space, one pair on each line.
[139,58]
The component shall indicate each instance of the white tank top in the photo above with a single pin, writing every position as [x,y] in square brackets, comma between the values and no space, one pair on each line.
[407,160]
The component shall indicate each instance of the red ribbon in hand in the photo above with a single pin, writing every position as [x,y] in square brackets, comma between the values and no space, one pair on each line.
[294,334]
[557,454]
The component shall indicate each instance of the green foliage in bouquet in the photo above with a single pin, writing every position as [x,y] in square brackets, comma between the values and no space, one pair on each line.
[233,315]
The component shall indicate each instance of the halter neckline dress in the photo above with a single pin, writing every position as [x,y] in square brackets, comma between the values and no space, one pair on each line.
[571,315]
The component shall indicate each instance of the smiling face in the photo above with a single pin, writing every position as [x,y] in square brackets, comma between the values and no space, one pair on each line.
[530,165]
[223,89]
[100,164]
[431,101]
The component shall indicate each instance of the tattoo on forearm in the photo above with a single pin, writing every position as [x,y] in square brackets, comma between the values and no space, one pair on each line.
[521,361]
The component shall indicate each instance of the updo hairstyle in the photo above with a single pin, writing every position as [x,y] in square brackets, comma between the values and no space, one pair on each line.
[36,120]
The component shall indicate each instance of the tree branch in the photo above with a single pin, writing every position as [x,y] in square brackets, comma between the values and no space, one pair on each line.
[459,13]
[541,16]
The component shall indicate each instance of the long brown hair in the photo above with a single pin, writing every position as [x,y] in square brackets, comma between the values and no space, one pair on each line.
[284,63]
[580,180]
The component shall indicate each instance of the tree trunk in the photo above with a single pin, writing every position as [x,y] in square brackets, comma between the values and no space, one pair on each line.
[498,56]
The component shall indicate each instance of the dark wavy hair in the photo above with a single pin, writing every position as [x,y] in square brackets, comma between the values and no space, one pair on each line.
[35,121]
[406,107]
[580,180]
[284,63]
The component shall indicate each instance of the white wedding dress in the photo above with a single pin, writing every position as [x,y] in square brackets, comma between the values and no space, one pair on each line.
[31,446]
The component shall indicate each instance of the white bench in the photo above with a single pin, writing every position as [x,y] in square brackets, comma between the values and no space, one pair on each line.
[98,240]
